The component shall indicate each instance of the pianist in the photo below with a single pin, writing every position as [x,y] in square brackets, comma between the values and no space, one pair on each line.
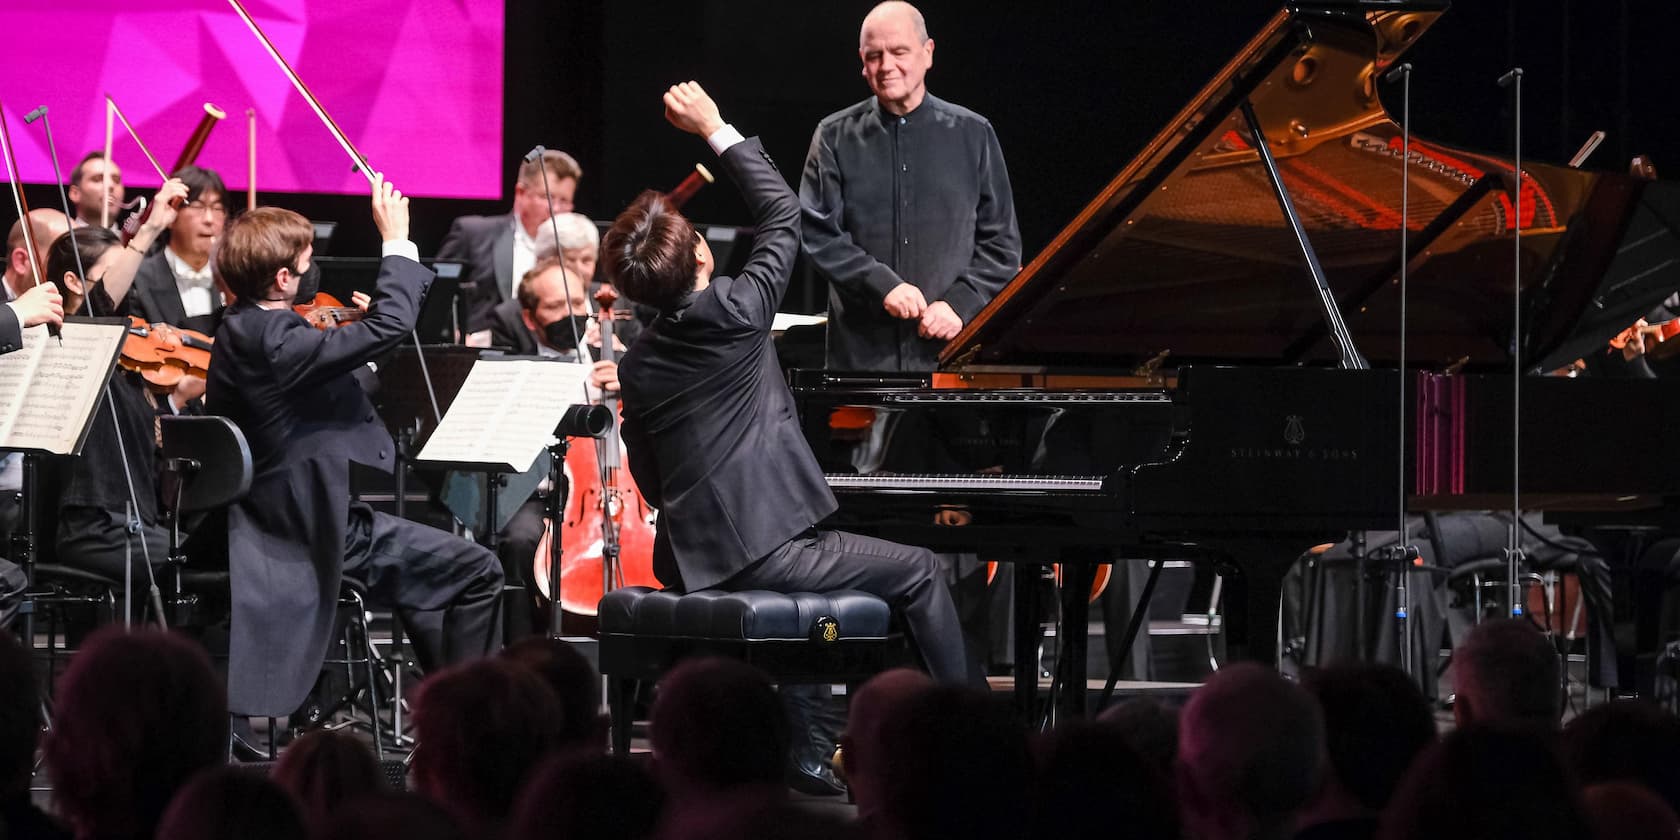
[720,451]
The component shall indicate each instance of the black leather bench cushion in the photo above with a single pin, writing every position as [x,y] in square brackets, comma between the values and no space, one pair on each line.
[753,615]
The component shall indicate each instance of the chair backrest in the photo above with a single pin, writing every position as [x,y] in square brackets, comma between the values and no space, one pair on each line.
[218,446]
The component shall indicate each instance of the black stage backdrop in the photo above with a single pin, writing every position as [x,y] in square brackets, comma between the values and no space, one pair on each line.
[1073,88]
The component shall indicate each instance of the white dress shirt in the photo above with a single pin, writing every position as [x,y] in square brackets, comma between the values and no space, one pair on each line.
[197,286]
[524,258]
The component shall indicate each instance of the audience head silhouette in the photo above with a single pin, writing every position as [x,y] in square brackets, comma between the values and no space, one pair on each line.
[137,714]
[1506,672]
[323,769]
[717,725]
[574,682]
[482,727]
[585,794]
[229,803]
[1250,750]
[1486,781]
[1626,740]
[1376,722]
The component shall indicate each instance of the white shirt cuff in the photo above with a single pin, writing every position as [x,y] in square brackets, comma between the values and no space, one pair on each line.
[723,138]
[400,248]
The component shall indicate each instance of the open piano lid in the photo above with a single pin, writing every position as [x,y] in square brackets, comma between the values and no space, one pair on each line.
[1187,251]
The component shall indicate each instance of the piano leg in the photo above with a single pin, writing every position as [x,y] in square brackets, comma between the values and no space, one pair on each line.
[1254,592]
[1029,631]
[1074,636]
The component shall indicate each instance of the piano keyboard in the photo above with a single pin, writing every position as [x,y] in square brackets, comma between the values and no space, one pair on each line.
[910,482]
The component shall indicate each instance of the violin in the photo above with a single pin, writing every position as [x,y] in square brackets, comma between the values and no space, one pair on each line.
[163,355]
[324,312]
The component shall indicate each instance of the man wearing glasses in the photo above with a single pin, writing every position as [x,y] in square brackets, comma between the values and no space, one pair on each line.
[174,285]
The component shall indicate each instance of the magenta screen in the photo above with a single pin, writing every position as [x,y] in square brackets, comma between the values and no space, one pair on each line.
[415,84]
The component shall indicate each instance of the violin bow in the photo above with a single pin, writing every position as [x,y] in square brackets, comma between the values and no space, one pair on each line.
[251,146]
[13,175]
[356,157]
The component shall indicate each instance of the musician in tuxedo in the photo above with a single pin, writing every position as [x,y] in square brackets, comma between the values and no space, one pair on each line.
[176,285]
[711,422]
[96,189]
[498,250]
[108,509]
[579,247]
[297,534]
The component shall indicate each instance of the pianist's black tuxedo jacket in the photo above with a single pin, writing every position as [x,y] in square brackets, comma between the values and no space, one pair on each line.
[290,388]
[713,437]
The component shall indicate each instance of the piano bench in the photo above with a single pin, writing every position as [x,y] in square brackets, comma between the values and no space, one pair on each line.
[800,637]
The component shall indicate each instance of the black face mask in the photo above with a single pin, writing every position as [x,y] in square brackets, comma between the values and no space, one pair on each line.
[560,335]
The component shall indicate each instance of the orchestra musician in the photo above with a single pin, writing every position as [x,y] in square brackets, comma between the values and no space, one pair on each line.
[119,462]
[297,534]
[45,226]
[548,317]
[176,285]
[579,247]
[498,250]
[96,189]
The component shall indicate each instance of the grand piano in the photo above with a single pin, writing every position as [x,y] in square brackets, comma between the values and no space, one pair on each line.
[1205,361]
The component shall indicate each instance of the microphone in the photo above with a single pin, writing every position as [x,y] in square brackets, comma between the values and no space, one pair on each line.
[36,114]
[1398,71]
[1512,75]
[537,151]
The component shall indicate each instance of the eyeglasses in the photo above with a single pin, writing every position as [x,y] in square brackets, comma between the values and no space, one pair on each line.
[217,209]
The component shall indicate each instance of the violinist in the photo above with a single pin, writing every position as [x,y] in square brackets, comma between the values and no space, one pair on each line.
[45,227]
[96,190]
[175,285]
[297,534]
[119,465]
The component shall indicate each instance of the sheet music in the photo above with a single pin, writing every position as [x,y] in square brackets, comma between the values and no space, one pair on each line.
[48,389]
[505,413]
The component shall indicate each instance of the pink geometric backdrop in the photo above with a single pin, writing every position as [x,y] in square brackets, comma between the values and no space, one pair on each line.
[415,84]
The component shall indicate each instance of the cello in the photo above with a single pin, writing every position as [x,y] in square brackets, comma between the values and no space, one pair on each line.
[607,527]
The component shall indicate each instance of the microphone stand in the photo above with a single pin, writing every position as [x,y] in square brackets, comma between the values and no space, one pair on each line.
[1514,551]
[1403,554]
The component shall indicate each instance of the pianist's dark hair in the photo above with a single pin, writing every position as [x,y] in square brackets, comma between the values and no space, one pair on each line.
[90,243]
[648,253]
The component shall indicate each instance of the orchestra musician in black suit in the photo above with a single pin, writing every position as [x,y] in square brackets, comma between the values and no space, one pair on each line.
[497,250]
[297,534]
[175,284]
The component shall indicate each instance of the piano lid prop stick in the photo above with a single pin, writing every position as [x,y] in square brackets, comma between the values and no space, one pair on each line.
[356,157]
[157,167]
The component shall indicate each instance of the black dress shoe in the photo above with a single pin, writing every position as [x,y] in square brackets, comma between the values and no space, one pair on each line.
[813,776]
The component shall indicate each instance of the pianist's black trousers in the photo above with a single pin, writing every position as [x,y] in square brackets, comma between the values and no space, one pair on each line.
[907,578]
